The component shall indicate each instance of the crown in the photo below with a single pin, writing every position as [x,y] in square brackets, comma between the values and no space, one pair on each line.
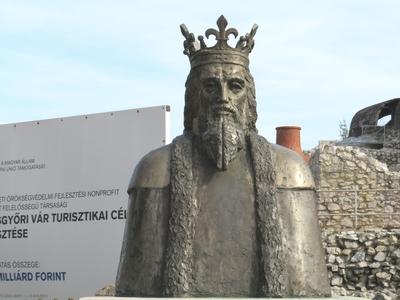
[199,54]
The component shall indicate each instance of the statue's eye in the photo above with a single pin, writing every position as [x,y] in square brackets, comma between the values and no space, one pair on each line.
[236,85]
[210,85]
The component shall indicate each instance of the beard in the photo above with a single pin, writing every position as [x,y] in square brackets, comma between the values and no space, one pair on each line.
[222,138]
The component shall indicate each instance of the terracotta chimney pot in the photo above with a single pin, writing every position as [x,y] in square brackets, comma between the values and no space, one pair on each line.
[289,137]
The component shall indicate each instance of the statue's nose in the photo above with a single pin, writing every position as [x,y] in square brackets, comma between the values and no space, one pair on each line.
[223,97]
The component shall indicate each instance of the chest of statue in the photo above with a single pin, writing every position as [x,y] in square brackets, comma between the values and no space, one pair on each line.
[225,253]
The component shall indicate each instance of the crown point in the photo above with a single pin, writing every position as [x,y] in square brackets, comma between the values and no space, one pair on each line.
[222,22]
[202,43]
[253,30]
[184,30]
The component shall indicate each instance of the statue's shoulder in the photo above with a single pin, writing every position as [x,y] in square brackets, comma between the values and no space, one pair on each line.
[291,170]
[152,171]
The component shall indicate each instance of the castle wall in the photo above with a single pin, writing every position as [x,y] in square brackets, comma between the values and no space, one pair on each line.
[359,213]
[355,191]
[363,263]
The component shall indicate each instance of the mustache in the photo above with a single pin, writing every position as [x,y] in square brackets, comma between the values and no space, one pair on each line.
[218,109]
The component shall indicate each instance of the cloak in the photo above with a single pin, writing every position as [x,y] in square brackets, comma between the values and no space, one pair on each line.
[157,252]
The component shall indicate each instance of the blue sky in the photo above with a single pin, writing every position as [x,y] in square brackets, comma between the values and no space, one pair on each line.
[314,62]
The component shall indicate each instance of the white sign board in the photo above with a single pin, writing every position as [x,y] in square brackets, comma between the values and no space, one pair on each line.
[63,199]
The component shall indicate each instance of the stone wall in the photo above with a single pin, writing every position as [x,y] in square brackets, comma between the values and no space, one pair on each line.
[355,191]
[363,264]
[359,213]
[383,144]
[388,155]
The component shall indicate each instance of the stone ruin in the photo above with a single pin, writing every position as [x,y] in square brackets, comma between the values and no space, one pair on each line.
[381,141]
[358,188]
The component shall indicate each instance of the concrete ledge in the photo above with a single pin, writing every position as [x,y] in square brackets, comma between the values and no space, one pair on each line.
[220,298]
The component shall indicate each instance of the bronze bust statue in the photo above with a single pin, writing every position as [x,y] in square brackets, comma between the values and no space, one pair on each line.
[220,211]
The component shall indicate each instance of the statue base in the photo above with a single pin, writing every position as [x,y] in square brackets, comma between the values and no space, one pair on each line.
[220,298]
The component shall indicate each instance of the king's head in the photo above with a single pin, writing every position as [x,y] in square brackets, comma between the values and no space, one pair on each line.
[220,107]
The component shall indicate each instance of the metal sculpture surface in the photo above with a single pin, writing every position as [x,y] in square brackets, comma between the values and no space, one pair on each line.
[367,118]
[220,211]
